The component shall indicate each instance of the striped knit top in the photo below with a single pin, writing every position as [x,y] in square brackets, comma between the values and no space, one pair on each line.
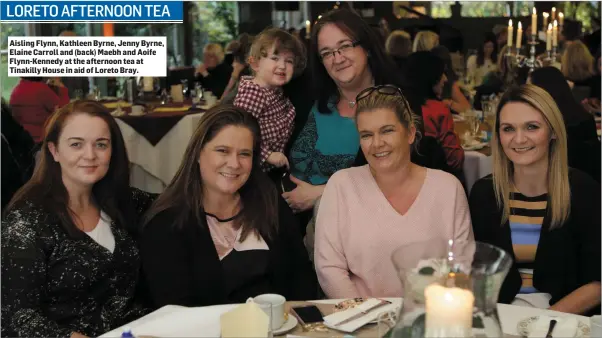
[526,218]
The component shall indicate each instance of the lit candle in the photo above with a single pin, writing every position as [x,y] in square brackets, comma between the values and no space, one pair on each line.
[534,22]
[448,311]
[519,35]
[555,34]
[307,28]
[545,20]
[510,33]
[560,19]
[553,14]
[549,37]
[147,84]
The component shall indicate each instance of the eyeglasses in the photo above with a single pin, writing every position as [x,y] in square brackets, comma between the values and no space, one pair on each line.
[383,89]
[343,50]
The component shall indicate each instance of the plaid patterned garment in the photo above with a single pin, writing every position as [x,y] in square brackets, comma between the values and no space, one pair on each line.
[273,110]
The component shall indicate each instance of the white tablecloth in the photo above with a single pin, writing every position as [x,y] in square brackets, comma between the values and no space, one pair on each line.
[153,167]
[476,166]
[178,321]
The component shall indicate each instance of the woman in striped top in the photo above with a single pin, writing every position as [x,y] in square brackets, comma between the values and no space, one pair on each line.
[534,206]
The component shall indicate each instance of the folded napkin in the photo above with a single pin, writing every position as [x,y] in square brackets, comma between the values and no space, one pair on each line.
[565,327]
[337,317]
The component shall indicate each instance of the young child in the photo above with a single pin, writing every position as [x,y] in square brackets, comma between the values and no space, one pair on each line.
[275,56]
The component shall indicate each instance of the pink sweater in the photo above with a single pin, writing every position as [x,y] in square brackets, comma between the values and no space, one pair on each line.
[357,230]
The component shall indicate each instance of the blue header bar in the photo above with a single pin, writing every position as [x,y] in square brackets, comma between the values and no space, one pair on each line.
[99,11]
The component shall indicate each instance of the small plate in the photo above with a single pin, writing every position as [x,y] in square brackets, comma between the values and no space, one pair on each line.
[290,324]
[524,327]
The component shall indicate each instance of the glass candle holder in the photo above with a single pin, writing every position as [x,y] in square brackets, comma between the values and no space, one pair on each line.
[450,289]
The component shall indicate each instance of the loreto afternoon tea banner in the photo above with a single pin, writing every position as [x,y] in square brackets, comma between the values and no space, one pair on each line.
[73,56]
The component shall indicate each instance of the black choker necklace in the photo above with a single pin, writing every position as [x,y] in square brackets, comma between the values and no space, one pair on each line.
[224,220]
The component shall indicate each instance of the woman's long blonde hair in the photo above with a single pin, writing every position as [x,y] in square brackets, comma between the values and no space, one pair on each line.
[577,62]
[425,41]
[559,193]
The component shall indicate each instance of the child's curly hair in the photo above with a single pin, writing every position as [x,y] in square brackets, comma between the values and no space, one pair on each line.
[280,40]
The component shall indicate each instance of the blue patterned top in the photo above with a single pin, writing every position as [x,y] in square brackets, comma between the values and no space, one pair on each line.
[327,144]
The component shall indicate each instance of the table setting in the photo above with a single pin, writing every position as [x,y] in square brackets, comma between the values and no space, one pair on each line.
[450,291]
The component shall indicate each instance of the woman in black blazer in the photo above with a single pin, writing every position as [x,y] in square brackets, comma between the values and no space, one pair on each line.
[220,233]
[544,214]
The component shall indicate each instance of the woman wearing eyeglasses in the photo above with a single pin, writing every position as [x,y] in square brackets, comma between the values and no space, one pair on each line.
[367,212]
[345,58]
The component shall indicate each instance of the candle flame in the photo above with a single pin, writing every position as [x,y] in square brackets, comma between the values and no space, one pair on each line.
[534,11]
[448,297]
[545,14]
[549,26]
[553,9]
[510,23]
[560,15]
[555,23]
[307,22]
[520,26]
[319,17]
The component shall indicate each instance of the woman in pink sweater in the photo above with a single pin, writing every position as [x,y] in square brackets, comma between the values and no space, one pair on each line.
[367,212]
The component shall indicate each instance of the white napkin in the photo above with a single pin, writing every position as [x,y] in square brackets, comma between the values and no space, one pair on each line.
[565,327]
[353,325]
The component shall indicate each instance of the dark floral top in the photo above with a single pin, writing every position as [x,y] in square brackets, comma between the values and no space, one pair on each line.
[54,285]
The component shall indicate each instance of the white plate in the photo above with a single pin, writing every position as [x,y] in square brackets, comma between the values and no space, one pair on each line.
[290,324]
[524,327]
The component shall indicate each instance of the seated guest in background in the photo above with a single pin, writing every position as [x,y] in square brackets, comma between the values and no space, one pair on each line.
[33,101]
[578,67]
[240,67]
[426,72]
[582,138]
[451,94]
[69,262]
[545,214]
[399,47]
[220,233]
[17,155]
[214,73]
[367,212]
[477,66]
[425,41]
[275,57]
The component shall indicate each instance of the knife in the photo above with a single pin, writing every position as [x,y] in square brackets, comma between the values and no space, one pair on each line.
[364,312]
[552,324]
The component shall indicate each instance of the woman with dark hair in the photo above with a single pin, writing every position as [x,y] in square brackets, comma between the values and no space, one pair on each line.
[345,58]
[69,261]
[451,95]
[426,72]
[484,62]
[33,101]
[220,233]
[582,138]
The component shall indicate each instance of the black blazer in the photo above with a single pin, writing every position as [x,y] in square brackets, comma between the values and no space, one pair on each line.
[217,80]
[567,257]
[181,267]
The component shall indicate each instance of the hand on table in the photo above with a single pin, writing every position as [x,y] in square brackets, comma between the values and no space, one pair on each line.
[304,196]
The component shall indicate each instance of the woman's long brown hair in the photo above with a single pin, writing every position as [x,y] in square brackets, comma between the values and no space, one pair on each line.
[183,197]
[46,188]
